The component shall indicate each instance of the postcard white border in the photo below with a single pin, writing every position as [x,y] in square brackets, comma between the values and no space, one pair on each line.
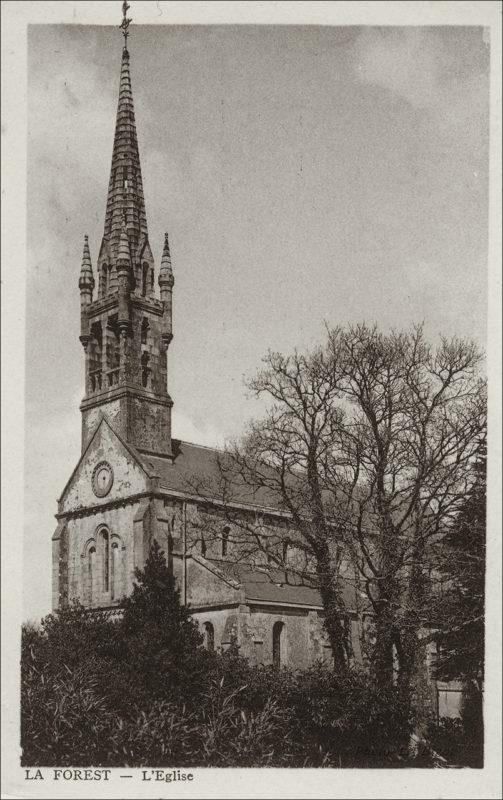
[212,782]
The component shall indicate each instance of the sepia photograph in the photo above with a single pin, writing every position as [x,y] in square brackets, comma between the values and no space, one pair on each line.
[257,295]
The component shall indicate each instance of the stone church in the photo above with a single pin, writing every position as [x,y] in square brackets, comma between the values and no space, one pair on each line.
[135,482]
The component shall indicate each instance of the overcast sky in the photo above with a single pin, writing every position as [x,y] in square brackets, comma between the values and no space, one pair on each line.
[304,175]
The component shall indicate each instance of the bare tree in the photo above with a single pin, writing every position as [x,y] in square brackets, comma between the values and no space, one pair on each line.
[368,446]
[289,453]
[403,464]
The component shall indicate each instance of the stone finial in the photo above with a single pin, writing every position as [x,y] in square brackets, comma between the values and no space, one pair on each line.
[166,255]
[86,279]
[166,270]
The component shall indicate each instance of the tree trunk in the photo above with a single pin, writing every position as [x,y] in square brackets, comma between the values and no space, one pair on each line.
[408,680]
[382,656]
[334,608]
[386,608]
[411,656]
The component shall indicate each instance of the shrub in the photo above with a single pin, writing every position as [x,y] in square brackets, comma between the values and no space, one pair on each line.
[456,742]
[332,719]
[141,690]
[161,646]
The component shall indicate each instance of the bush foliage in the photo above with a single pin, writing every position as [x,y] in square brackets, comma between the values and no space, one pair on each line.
[140,690]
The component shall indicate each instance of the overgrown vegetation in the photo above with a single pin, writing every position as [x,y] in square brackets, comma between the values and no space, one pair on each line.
[141,690]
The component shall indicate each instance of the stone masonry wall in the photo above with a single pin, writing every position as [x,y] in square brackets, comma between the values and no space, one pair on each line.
[303,638]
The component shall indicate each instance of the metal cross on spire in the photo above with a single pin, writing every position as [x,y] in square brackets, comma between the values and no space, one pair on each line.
[125,22]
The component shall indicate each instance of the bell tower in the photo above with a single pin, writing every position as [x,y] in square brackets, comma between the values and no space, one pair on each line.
[125,328]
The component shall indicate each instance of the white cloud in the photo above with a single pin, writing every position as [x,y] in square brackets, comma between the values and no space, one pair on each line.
[184,428]
[415,64]
[401,60]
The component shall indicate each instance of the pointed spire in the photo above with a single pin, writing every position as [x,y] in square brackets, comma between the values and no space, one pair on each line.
[166,271]
[166,255]
[125,188]
[86,279]
[166,283]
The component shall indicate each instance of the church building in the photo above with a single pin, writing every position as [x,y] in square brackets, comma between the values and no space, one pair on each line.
[135,482]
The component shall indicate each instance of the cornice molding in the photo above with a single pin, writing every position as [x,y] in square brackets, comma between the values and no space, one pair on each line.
[86,511]
[126,390]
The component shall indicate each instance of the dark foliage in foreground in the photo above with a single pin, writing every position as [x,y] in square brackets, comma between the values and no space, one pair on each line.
[141,690]
[455,741]
[461,637]
[243,716]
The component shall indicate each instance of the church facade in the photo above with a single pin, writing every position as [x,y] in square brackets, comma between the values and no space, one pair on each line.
[134,482]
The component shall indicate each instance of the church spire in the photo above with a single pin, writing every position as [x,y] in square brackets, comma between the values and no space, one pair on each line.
[125,188]
[126,330]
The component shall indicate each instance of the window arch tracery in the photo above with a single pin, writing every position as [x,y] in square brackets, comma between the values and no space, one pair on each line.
[108,567]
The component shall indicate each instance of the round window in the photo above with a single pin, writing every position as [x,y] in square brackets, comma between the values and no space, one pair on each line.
[103,478]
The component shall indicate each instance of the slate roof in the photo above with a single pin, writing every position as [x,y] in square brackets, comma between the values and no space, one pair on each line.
[272,586]
[195,471]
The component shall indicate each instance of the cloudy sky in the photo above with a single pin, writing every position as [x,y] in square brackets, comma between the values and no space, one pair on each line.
[304,175]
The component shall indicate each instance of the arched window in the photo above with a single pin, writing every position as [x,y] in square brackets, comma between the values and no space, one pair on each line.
[203,547]
[144,280]
[105,540]
[90,574]
[225,541]
[114,569]
[103,568]
[145,369]
[95,356]
[104,280]
[113,350]
[209,636]
[144,330]
[278,644]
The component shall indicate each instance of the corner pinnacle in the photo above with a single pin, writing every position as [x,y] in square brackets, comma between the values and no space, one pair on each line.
[86,279]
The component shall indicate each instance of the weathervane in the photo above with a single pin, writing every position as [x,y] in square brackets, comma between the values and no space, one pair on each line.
[125,22]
